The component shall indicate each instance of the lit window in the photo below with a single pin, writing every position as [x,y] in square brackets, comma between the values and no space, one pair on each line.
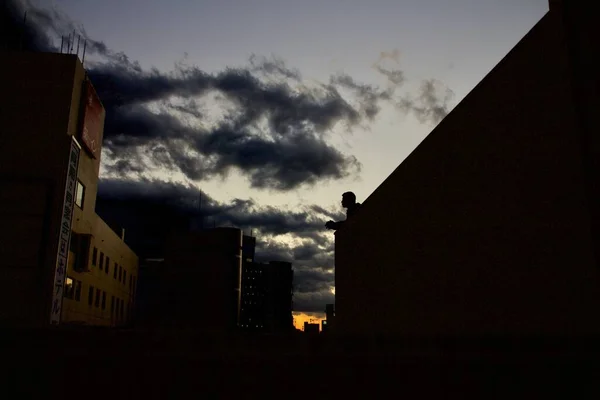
[69,288]
[79,194]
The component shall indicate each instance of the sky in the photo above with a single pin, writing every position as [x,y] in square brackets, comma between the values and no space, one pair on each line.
[272,109]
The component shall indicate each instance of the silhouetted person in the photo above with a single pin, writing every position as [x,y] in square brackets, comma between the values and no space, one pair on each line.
[351,206]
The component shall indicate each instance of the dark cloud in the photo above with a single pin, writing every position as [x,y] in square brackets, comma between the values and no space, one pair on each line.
[369,96]
[313,280]
[149,210]
[273,130]
[290,152]
[274,135]
[336,216]
[17,32]
[313,301]
[187,107]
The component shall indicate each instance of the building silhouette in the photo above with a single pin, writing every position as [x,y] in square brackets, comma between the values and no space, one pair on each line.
[310,328]
[266,303]
[328,322]
[197,283]
[491,225]
[60,262]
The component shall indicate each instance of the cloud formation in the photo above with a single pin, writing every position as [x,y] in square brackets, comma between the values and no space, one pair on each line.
[273,132]
[273,129]
[149,210]
[432,104]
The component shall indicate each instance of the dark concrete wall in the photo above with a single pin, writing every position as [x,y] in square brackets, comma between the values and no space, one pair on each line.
[200,283]
[486,226]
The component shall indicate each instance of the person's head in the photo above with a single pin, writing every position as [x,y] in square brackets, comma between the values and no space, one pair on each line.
[348,199]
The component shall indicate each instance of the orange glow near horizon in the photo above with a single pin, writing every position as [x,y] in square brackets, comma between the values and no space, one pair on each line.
[313,318]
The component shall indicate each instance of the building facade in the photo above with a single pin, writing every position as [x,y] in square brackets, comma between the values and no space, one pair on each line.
[198,282]
[311,329]
[328,323]
[267,292]
[490,226]
[66,264]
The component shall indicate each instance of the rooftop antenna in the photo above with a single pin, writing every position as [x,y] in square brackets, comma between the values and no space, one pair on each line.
[84,45]
[78,41]
[72,43]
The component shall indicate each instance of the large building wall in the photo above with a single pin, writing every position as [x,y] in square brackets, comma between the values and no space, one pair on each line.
[35,114]
[40,111]
[105,286]
[200,282]
[485,227]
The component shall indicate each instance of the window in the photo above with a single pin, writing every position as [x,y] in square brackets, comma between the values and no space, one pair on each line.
[106,269]
[97,302]
[69,288]
[94,256]
[107,263]
[79,194]
[115,271]
[80,247]
[120,273]
[91,295]
[78,290]
[101,263]
[118,308]
[124,277]
[112,305]
[104,300]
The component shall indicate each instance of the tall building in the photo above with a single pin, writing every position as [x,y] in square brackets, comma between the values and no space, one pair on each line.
[64,263]
[328,323]
[197,283]
[266,302]
[310,328]
[491,225]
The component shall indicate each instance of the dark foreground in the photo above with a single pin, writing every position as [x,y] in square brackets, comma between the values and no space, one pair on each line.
[112,364]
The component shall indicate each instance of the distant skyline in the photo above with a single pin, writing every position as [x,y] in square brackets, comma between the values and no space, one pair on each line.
[320,97]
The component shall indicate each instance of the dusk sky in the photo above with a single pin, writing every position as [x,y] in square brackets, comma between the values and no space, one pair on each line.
[320,97]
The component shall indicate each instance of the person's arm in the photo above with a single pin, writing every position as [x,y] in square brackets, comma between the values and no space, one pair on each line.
[334,225]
